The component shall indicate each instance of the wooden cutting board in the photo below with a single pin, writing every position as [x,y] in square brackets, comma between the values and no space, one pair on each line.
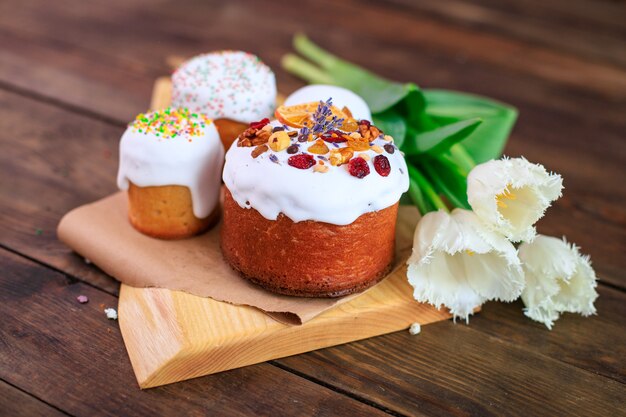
[172,336]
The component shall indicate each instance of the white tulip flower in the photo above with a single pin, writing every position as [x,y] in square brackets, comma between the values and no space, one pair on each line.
[558,279]
[510,195]
[459,263]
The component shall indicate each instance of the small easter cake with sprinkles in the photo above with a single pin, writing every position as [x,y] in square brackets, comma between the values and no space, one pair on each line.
[171,164]
[311,198]
[233,88]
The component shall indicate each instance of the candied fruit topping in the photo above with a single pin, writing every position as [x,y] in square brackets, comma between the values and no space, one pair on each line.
[349,125]
[293,149]
[318,148]
[260,124]
[389,148]
[334,136]
[301,161]
[358,167]
[358,143]
[279,141]
[381,165]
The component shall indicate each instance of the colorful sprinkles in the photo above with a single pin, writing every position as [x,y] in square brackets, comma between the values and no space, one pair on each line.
[170,123]
[231,84]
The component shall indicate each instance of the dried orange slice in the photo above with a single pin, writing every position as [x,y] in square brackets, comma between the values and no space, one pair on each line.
[300,114]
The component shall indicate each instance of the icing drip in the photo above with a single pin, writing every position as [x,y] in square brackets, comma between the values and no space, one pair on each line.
[227,84]
[173,147]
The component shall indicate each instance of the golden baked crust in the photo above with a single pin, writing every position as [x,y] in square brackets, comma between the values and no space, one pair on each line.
[165,212]
[308,259]
[229,130]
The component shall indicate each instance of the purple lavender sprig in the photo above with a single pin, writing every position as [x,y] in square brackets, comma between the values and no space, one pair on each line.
[322,122]
[274,159]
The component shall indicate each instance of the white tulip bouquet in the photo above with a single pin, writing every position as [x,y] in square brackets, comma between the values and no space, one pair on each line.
[452,143]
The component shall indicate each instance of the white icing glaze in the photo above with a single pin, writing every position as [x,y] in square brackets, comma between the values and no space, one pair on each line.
[341,97]
[334,197]
[191,161]
[227,84]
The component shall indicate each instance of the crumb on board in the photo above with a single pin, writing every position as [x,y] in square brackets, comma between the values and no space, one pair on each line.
[111,313]
[83,299]
[415,329]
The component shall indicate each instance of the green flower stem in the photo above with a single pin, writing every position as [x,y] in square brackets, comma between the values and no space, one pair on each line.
[310,50]
[438,180]
[462,158]
[417,197]
[451,165]
[305,70]
[427,189]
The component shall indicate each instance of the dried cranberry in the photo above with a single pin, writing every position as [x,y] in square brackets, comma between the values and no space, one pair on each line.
[389,148]
[365,122]
[358,167]
[302,161]
[260,124]
[334,136]
[293,149]
[381,165]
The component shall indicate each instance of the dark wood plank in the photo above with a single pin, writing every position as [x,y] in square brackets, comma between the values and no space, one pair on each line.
[105,49]
[16,403]
[582,26]
[69,355]
[52,161]
[596,344]
[454,369]
[64,73]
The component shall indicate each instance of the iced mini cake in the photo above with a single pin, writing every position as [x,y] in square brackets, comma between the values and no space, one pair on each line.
[311,202]
[171,163]
[233,88]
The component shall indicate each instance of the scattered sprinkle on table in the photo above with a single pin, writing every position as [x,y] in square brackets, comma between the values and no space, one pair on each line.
[83,299]
[111,313]
[415,329]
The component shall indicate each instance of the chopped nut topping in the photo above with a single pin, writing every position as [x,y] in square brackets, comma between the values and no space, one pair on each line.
[388,138]
[253,136]
[259,150]
[369,131]
[364,156]
[320,168]
[340,156]
[377,149]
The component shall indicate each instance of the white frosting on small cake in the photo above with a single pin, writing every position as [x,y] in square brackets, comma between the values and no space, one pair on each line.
[232,85]
[342,97]
[270,185]
[174,147]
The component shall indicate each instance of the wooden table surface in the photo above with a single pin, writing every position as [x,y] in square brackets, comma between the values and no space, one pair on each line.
[73,73]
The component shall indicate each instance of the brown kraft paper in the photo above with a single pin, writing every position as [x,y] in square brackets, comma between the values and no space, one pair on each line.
[101,232]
